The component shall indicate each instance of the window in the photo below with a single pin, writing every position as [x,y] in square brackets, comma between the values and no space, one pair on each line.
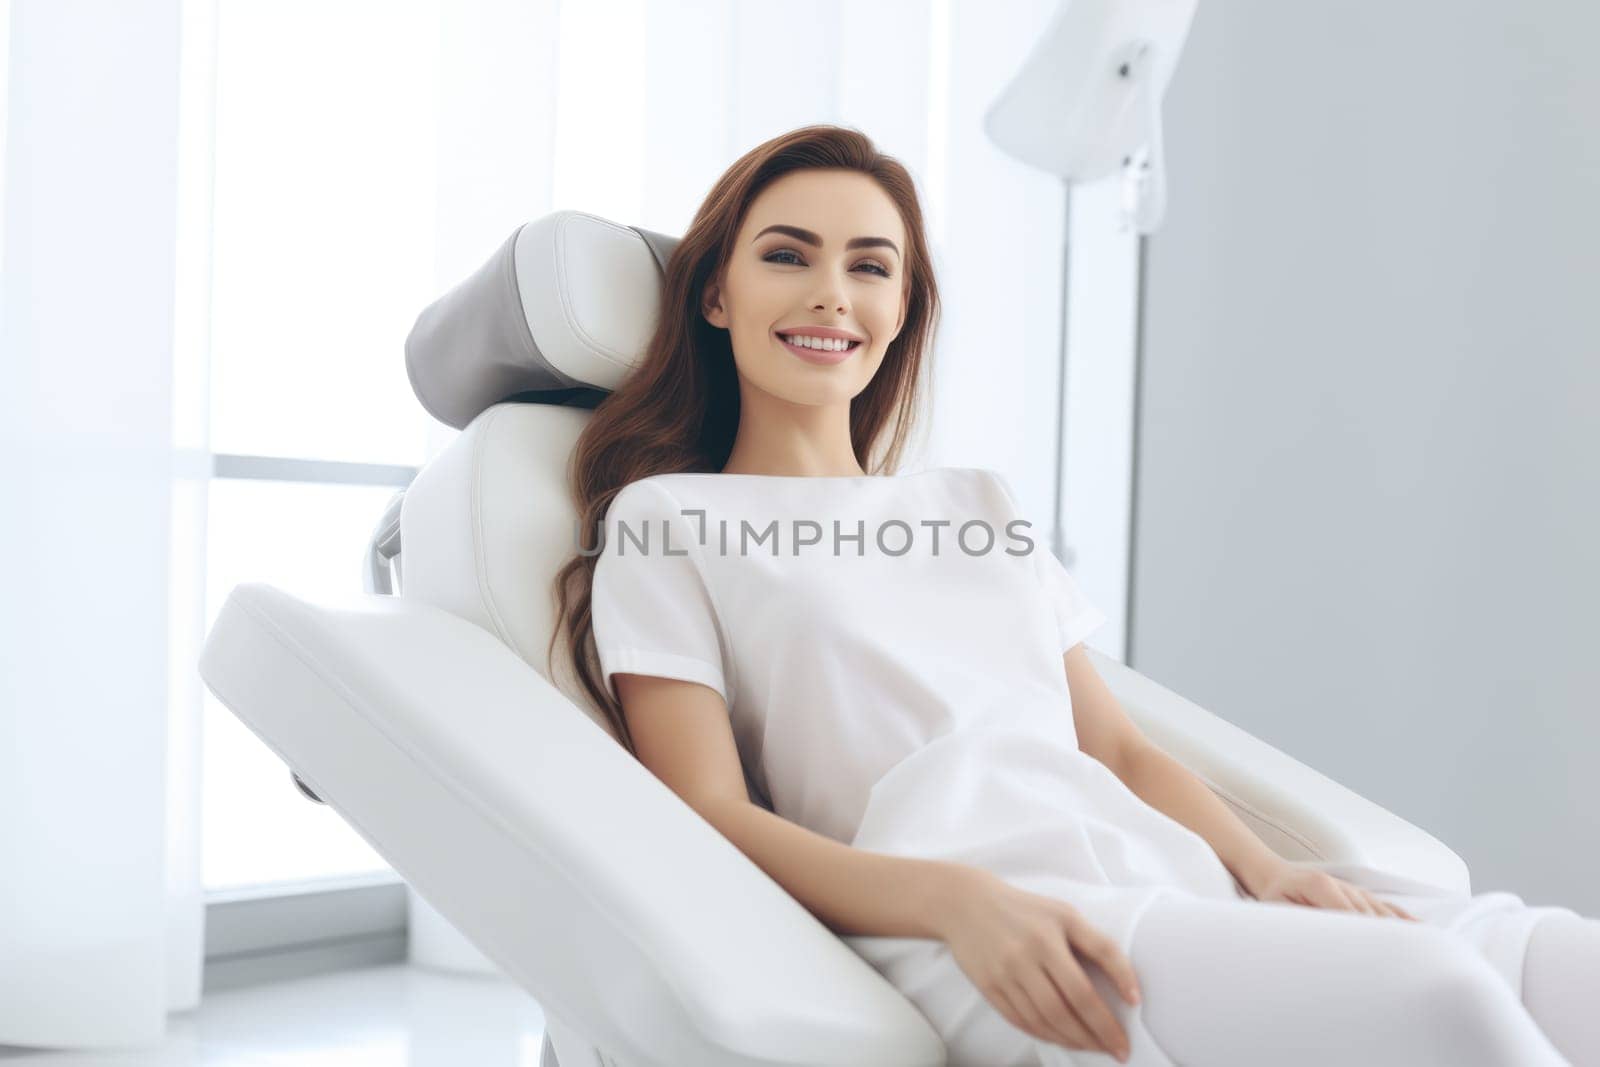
[311,176]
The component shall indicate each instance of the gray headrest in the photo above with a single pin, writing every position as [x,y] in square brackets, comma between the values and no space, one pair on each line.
[558,315]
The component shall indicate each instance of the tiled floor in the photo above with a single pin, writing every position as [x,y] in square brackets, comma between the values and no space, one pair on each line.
[394,1016]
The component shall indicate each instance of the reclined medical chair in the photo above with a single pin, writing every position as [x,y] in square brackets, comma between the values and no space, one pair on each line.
[422,713]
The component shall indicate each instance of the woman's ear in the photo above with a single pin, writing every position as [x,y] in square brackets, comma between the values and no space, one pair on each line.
[711,306]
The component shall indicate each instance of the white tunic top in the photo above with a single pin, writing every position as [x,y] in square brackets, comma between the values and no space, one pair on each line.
[889,648]
[890,652]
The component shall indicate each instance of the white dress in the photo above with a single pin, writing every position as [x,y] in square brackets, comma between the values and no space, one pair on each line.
[890,651]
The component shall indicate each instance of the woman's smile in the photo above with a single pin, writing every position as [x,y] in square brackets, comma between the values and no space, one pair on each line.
[819,355]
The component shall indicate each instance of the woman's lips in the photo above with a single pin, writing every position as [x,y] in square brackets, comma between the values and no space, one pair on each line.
[817,355]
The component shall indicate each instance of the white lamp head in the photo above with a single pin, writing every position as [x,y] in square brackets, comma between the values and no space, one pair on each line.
[1087,101]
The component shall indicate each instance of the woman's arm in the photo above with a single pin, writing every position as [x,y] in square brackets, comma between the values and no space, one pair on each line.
[1169,787]
[1106,733]
[1020,949]
[681,732]
[850,890]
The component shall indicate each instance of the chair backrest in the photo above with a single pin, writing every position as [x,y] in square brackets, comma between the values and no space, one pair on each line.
[516,356]
[558,315]
[487,523]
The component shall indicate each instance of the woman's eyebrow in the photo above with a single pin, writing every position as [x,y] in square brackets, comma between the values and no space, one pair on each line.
[816,242]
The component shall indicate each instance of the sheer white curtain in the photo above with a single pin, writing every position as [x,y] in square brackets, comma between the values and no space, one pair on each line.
[100,932]
[628,110]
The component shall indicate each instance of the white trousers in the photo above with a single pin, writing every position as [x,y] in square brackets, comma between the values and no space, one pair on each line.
[1479,981]
[1237,983]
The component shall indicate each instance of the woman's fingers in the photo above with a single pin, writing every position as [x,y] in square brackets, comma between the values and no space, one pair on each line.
[1098,946]
[1332,893]
[1371,904]
[1339,895]
[1351,898]
[1358,900]
[1001,997]
[1381,907]
[1060,1023]
[1323,894]
[1078,995]
[1041,1025]
[1396,910]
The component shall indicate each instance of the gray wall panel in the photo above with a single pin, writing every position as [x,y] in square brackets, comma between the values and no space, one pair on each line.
[1369,457]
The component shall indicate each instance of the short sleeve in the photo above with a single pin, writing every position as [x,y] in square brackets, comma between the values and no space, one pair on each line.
[1076,616]
[650,605]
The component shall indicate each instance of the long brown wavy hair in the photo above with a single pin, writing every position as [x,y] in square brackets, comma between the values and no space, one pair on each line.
[678,409]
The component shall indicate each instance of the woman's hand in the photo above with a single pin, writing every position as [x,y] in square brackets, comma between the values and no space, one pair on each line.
[1318,889]
[1017,947]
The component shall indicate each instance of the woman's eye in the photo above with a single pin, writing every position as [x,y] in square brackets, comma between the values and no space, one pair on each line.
[768,258]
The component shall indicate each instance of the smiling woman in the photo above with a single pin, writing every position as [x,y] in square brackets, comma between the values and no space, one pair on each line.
[843,291]
[811,239]
[900,746]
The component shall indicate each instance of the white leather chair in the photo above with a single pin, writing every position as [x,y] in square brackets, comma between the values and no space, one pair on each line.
[427,720]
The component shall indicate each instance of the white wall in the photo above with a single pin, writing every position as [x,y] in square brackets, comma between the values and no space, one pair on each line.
[1367,503]
[630,109]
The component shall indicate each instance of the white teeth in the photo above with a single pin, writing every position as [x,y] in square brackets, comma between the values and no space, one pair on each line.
[831,344]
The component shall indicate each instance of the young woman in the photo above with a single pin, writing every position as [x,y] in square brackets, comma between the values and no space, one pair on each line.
[874,685]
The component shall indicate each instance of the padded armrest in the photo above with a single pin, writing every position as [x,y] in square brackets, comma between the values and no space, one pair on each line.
[560,856]
[1300,814]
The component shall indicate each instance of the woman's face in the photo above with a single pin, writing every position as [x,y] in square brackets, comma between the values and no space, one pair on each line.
[779,281]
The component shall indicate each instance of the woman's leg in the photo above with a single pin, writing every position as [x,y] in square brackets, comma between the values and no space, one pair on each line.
[1561,984]
[1233,983]
[1550,954]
